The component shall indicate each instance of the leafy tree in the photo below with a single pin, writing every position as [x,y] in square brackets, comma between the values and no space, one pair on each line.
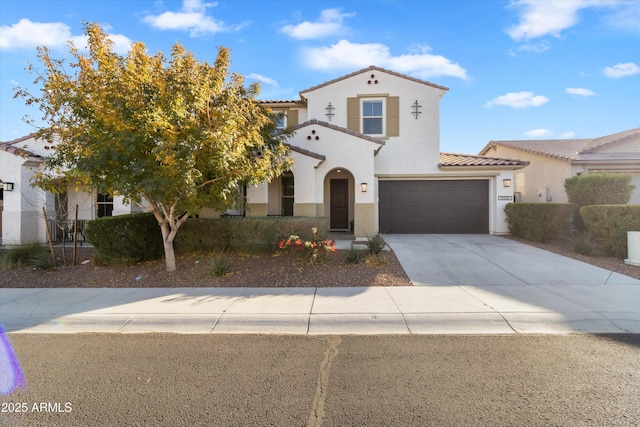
[171,135]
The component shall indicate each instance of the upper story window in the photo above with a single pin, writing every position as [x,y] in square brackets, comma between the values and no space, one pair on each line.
[373,117]
[281,122]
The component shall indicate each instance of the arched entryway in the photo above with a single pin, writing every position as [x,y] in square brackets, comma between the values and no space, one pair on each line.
[339,198]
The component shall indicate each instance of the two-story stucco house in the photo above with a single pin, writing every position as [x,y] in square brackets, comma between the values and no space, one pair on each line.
[367,154]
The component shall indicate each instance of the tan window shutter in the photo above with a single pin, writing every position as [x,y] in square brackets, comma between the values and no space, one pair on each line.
[292,117]
[393,116]
[353,114]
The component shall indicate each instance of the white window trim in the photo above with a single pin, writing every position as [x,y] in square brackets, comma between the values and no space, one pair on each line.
[284,119]
[384,115]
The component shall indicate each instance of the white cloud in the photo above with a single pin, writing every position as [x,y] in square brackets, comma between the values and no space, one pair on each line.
[27,34]
[263,79]
[535,48]
[579,91]
[192,17]
[568,135]
[346,55]
[542,18]
[622,70]
[54,35]
[539,133]
[329,24]
[518,100]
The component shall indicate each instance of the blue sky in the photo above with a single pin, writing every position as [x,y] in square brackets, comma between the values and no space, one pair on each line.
[523,69]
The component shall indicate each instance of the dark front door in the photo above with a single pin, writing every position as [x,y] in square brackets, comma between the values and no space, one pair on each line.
[339,214]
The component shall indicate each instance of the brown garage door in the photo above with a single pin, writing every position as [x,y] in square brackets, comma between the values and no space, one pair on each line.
[442,207]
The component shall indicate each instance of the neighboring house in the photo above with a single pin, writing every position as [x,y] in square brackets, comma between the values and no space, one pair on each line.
[551,162]
[22,220]
[367,154]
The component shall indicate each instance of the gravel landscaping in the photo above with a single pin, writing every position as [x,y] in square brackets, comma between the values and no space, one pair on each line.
[281,269]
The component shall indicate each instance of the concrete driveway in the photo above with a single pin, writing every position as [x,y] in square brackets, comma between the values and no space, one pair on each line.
[485,260]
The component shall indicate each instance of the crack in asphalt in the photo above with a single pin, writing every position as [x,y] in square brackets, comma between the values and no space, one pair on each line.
[317,409]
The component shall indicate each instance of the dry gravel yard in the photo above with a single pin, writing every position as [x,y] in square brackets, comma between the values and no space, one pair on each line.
[282,269]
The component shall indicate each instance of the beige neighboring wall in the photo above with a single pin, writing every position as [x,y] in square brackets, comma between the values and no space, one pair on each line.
[542,172]
[304,209]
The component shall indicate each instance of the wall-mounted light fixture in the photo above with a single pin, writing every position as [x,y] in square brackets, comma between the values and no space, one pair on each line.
[506,183]
[363,187]
[7,186]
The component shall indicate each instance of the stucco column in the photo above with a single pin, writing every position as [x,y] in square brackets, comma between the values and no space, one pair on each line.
[257,200]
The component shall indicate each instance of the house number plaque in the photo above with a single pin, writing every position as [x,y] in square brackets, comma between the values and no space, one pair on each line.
[507,198]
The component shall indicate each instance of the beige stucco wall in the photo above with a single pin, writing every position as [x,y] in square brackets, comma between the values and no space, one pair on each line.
[542,172]
[365,225]
[304,209]
[257,209]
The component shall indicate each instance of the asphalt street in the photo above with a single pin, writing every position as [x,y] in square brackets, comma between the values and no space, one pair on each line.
[278,380]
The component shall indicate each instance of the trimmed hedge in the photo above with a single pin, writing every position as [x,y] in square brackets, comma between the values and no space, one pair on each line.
[539,222]
[599,189]
[251,235]
[125,239]
[129,239]
[609,225]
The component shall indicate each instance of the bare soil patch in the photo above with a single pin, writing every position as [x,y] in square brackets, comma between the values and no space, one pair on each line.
[282,269]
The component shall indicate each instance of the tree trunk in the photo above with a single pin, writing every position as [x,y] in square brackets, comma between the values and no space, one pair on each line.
[169,253]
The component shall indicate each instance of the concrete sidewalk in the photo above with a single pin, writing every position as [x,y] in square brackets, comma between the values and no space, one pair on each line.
[462,309]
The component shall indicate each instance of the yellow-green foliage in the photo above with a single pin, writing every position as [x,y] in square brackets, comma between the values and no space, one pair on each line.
[539,222]
[179,133]
[609,225]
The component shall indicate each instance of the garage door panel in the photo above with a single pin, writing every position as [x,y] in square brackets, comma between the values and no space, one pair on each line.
[450,207]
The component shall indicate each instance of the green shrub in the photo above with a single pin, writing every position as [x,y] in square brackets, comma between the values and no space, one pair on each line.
[125,239]
[247,235]
[582,242]
[539,222]
[354,255]
[220,264]
[29,254]
[375,244]
[129,239]
[609,225]
[599,189]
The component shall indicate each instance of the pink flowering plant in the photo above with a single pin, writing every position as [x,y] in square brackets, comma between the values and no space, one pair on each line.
[317,245]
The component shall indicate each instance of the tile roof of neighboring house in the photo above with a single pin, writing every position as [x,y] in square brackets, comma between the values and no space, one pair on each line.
[374,68]
[339,129]
[566,149]
[466,160]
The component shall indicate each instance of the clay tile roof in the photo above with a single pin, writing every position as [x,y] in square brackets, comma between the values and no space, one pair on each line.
[612,139]
[566,149]
[374,68]
[460,160]
[339,129]
[306,152]
[10,147]
[281,101]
